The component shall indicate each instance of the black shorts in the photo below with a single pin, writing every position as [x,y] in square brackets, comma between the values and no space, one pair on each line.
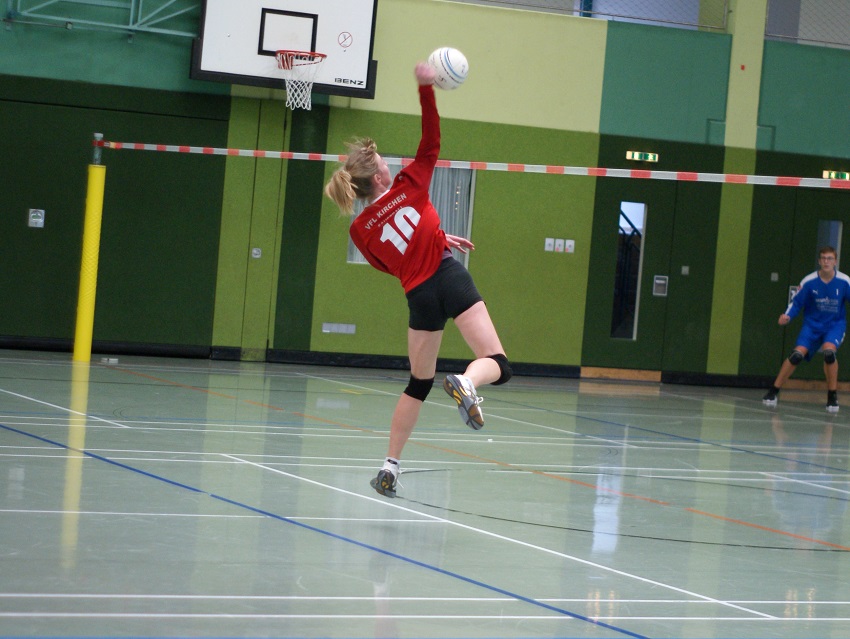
[446,294]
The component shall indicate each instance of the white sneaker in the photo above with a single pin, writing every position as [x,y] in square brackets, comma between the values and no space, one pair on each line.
[462,390]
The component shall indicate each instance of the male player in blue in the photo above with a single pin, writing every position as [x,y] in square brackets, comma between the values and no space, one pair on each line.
[821,297]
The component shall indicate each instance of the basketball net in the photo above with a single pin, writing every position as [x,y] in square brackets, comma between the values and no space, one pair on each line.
[299,69]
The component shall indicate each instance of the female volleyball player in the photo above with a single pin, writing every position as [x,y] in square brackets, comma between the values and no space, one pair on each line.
[399,233]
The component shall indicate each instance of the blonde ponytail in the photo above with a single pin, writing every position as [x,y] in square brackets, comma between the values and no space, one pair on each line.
[340,190]
[354,180]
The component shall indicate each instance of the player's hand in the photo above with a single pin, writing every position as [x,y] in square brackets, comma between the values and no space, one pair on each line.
[425,73]
[784,319]
[460,243]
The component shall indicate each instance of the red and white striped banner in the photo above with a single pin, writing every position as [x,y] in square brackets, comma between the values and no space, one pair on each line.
[643,174]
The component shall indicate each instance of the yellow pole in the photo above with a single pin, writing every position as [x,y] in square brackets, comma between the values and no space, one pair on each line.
[91,251]
[74,463]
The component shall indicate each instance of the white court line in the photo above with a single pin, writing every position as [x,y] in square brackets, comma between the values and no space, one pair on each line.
[62,408]
[582,436]
[250,616]
[688,474]
[706,599]
[811,484]
[574,600]
[735,401]
[21,511]
[464,617]
[481,531]
[129,596]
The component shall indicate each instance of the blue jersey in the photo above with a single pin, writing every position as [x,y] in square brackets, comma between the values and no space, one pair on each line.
[822,303]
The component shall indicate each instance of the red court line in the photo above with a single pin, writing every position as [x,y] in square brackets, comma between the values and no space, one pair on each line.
[261,405]
[172,383]
[541,473]
[767,529]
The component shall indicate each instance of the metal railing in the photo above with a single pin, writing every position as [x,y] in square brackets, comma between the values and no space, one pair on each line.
[821,22]
[685,14]
[164,17]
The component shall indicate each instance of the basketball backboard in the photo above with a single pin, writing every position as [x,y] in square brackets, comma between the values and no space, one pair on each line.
[238,41]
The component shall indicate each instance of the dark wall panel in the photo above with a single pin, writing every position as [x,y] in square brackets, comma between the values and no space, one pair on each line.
[300,234]
[161,219]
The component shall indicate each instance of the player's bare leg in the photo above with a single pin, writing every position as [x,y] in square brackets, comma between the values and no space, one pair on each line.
[478,331]
[422,348]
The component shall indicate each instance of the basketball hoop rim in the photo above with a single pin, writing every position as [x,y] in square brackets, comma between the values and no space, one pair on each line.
[296,58]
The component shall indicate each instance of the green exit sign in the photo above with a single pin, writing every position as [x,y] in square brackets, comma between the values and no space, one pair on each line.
[836,175]
[641,156]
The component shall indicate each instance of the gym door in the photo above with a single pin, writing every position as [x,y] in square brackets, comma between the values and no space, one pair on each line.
[629,274]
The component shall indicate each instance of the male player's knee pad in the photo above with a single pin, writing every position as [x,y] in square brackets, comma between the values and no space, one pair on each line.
[829,356]
[504,367]
[795,357]
[419,388]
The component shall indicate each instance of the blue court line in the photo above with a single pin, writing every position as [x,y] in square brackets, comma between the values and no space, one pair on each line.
[327,533]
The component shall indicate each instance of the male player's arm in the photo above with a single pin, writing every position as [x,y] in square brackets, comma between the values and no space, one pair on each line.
[796,304]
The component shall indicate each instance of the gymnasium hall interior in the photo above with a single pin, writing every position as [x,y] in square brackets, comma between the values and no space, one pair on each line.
[198,368]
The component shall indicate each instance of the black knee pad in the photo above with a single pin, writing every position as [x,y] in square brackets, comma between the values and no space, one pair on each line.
[504,367]
[795,357]
[419,388]
[829,356]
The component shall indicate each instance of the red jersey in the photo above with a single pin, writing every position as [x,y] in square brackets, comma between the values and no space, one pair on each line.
[399,233]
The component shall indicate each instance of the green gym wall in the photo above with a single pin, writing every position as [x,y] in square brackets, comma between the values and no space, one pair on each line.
[176,273]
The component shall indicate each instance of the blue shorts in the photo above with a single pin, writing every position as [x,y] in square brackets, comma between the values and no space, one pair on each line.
[813,338]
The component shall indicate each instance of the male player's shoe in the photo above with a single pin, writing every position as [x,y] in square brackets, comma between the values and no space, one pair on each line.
[769,398]
[832,402]
[462,390]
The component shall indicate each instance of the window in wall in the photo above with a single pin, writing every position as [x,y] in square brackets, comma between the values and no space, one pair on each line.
[624,317]
[452,191]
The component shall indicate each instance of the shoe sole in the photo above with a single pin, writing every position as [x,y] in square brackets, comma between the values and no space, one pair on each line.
[382,488]
[832,409]
[769,402]
[471,416]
